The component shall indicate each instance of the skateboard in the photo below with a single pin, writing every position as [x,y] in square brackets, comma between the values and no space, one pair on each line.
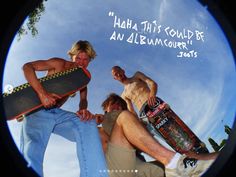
[23,100]
[171,128]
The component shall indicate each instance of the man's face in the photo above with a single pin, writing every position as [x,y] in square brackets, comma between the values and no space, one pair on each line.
[118,74]
[82,59]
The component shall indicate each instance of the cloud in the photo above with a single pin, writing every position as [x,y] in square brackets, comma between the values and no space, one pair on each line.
[61,158]
[194,88]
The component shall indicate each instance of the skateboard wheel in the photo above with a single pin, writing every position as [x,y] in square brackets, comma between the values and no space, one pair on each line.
[20,118]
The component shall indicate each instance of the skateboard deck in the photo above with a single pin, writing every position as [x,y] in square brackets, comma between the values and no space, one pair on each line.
[172,129]
[23,99]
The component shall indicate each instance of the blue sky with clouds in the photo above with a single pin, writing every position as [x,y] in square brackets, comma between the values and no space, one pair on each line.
[199,88]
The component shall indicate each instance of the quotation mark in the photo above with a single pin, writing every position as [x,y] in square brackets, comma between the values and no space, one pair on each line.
[111,13]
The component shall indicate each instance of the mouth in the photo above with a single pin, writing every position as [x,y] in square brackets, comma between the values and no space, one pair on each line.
[79,65]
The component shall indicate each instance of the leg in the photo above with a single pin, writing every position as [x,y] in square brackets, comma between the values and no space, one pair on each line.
[126,129]
[129,131]
[121,161]
[35,133]
[186,166]
[203,156]
[89,149]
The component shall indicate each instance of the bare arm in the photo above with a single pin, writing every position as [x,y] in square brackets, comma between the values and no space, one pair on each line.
[151,84]
[83,113]
[30,69]
[129,104]
[83,99]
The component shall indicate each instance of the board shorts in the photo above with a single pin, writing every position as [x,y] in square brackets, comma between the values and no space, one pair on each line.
[122,162]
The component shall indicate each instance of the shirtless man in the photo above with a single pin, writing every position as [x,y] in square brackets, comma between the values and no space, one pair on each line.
[120,127]
[139,90]
[79,127]
[130,162]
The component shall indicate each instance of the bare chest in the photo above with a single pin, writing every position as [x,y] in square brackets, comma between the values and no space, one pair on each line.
[135,89]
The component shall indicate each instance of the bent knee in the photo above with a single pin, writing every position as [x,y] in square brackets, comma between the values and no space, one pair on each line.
[125,116]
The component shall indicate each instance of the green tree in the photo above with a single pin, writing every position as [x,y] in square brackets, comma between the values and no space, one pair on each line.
[33,18]
[217,147]
[223,142]
[214,145]
[227,129]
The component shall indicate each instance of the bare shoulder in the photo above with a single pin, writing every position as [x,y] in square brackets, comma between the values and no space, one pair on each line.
[140,75]
[58,63]
[54,63]
[51,61]
[127,113]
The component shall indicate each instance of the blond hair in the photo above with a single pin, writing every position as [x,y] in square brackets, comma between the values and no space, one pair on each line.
[82,46]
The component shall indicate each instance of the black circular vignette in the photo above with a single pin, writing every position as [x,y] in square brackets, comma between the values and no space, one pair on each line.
[12,16]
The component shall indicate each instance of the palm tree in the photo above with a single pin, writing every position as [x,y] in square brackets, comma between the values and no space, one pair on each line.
[217,147]
[227,129]
[214,145]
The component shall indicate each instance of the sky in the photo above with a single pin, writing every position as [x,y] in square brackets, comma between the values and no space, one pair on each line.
[177,43]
